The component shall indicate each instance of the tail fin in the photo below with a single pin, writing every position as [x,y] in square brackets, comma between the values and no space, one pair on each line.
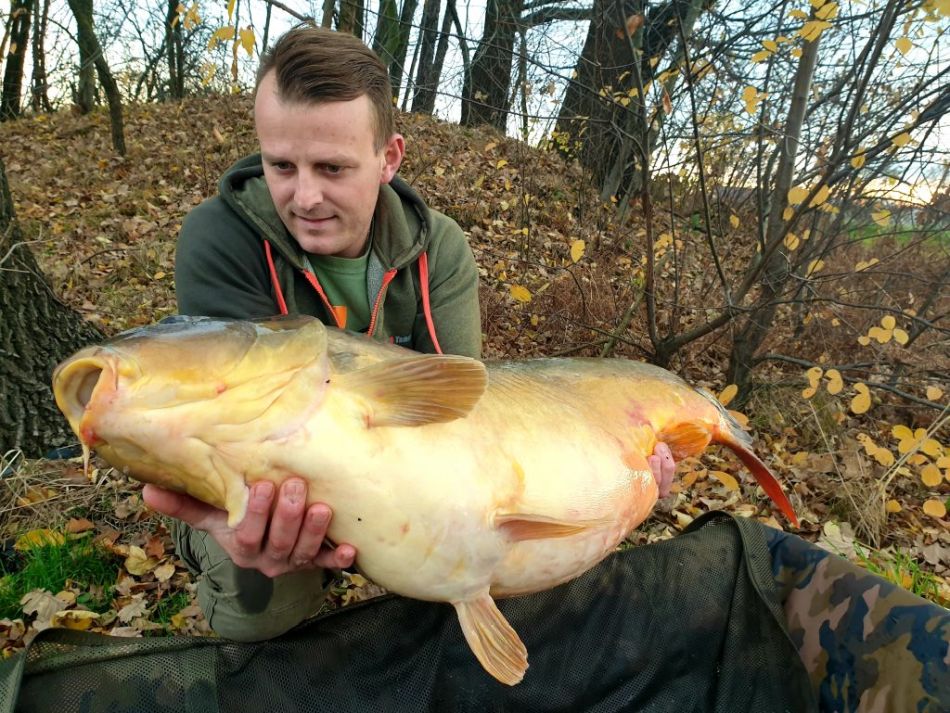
[731,434]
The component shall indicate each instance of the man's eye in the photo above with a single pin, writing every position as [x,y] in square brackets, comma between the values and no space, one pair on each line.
[282,165]
[332,168]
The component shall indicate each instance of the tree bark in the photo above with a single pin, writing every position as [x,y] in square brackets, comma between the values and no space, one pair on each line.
[485,93]
[20,16]
[37,331]
[351,17]
[89,44]
[176,53]
[86,86]
[39,95]
[424,93]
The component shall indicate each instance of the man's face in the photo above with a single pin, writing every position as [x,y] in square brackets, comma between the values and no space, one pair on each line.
[322,168]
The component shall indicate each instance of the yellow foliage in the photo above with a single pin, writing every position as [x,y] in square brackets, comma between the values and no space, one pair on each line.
[934,393]
[728,394]
[812,29]
[76,619]
[935,508]
[858,160]
[901,139]
[727,480]
[521,294]
[931,476]
[734,221]
[38,538]
[797,195]
[892,506]
[577,250]
[835,382]
[862,402]
[903,45]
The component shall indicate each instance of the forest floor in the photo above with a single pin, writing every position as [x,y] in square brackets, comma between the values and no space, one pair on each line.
[556,269]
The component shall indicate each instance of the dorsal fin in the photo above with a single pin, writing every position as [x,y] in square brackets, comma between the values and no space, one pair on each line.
[429,388]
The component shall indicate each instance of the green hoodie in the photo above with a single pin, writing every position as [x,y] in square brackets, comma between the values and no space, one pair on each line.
[221,269]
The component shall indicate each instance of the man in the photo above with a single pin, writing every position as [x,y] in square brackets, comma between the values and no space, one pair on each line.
[318,224]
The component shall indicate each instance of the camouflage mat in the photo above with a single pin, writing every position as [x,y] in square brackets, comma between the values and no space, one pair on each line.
[693,624]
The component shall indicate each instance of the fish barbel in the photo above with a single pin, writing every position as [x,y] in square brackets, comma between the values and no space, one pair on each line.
[456,480]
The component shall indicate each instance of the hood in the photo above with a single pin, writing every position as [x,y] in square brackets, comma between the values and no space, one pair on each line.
[401,223]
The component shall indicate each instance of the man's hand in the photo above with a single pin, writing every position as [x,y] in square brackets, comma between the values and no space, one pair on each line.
[663,467]
[290,540]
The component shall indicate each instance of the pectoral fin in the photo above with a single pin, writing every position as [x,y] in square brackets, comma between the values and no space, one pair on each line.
[495,644]
[524,526]
[686,439]
[420,390]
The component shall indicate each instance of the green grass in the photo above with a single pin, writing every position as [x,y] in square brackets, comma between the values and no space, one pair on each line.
[168,606]
[91,568]
[901,569]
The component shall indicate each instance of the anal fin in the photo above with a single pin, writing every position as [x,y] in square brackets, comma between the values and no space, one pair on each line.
[686,438]
[525,526]
[495,644]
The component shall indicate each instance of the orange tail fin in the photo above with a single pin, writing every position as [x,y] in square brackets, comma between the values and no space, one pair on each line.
[692,437]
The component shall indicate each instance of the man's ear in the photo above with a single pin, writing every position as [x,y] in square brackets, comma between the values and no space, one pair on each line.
[393,152]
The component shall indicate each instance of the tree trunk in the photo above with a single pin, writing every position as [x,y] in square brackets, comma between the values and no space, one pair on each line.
[86,88]
[397,65]
[175,47]
[426,65]
[600,121]
[351,17]
[751,336]
[89,44]
[37,332]
[20,16]
[39,94]
[485,94]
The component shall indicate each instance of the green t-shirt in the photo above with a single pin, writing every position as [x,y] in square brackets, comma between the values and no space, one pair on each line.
[344,281]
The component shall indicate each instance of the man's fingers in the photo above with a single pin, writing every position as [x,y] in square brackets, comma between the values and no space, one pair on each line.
[314,529]
[249,535]
[199,515]
[285,523]
[340,558]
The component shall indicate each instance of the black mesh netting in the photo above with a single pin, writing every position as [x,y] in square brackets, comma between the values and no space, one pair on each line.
[615,639]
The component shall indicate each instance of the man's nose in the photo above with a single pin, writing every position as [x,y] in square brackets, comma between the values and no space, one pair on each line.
[309,191]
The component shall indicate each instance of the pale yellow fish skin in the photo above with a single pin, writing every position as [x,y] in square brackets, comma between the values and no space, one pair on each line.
[211,409]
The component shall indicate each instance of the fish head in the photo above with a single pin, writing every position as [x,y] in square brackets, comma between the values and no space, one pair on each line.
[189,403]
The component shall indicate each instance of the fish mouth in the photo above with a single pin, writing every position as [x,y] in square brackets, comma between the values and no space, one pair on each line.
[76,384]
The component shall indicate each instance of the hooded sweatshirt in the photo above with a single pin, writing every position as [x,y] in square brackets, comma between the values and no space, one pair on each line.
[222,267]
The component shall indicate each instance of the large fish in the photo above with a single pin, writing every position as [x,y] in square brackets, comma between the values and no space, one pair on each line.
[456,480]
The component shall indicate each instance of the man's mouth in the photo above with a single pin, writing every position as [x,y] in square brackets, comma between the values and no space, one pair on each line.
[314,220]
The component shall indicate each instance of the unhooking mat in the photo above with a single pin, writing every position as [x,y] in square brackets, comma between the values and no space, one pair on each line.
[696,623]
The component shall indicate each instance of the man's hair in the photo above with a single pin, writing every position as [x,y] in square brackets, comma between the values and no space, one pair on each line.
[314,64]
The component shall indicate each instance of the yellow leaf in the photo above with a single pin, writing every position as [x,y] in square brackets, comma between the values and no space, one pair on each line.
[38,538]
[862,402]
[761,56]
[892,506]
[231,4]
[577,250]
[883,336]
[828,11]
[164,572]
[796,52]
[813,267]
[798,14]
[797,195]
[222,34]
[138,563]
[726,479]
[667,103]
[901,337]
[770,45]
[808,392]
[728,394]
[883,456]
[888,321]
[76,619]
[935,508]
[858,160]
[812,29]
[903,45]
[734,221]
[247,40]
[788,213]
[882,218]
[901,139]
[740,418]
[791,241]
[835,382]
[901,432]
[931,447]
[934,393]
[521,294]
[501,163]
[931,476]
[821,196]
